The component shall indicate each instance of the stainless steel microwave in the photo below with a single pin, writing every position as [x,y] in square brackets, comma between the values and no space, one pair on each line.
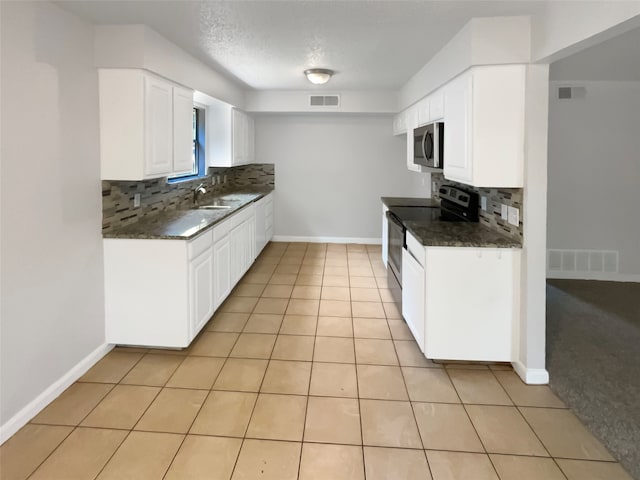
[428,145]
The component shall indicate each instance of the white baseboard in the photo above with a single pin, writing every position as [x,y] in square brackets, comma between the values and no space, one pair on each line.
[360,240]
[531,376]
[601,276]
[34,407]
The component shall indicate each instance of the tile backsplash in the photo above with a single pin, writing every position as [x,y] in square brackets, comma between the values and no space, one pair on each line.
[157,195]
[495,196]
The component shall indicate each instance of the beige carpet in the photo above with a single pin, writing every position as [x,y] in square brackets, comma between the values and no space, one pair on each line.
[593,358]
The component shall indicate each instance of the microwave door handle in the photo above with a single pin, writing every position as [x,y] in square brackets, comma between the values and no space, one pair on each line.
[424,147]
[436,146]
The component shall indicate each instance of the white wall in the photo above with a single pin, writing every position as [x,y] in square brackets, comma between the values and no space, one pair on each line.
[566,27]
[617,59]
[52,276]
[138,46]
[331,171]
[594,171]
[296,101]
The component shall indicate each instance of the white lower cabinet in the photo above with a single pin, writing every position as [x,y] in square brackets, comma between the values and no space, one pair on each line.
[462,303]
[413,296]
[201,290]
[263,222]
[160,293]
[222,270]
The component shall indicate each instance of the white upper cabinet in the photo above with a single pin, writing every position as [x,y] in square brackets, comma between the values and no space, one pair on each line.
[145,131]
[457,139]
[158,123]
[436,106]
[182,130]
[422,112]
[400,123]
[412,120]
[484,126]
[232,134]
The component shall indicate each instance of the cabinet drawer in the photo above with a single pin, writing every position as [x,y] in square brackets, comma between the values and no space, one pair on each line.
[416,249]
[221,230]
[199,244]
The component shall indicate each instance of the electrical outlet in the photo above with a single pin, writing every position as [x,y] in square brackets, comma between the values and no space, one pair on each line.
[504,212]
[218,179]
[213,179]
[483,203]
[136,200]
[434,186]
[224,180]
[514,216]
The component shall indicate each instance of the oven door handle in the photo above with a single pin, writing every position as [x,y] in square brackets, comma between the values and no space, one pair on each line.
[391,217]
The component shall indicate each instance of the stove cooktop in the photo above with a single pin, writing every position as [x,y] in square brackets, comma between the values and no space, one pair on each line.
[417,214]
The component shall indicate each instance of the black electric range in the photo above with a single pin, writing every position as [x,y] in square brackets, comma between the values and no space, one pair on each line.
[456,205]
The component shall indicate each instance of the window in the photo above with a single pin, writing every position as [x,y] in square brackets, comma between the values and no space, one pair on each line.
[199,162]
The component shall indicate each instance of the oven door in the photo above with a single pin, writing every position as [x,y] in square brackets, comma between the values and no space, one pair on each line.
[396,232]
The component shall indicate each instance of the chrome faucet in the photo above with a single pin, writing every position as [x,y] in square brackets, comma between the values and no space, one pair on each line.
[199,190]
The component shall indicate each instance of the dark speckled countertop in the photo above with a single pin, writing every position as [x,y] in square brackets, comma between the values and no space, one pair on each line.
[409,202]
[186,224]
[459,234]
[449,234]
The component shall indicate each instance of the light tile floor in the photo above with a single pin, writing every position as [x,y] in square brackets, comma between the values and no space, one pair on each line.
[306,372]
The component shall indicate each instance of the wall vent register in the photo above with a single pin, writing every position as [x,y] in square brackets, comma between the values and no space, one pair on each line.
[570,93]
[324,100]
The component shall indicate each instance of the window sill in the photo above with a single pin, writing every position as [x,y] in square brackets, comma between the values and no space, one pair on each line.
[186,178]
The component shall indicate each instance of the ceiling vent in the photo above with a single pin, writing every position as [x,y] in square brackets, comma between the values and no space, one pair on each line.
[324,100]
[571,93]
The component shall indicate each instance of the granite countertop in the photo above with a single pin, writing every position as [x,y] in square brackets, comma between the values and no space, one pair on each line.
[409,202]
[186,224]
[459,234]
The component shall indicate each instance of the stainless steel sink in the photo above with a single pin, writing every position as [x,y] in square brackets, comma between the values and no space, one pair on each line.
[214,207]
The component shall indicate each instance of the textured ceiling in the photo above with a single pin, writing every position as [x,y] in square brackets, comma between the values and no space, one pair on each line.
[267,44]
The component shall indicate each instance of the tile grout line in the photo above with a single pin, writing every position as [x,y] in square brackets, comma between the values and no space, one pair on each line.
[413,413]
[473,425]
[517,407]
[201,405]
[355,359]
[246,430]
[205,399]
[75,427]
[306,409]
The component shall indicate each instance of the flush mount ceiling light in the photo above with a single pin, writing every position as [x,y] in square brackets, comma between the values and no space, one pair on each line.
[318,76]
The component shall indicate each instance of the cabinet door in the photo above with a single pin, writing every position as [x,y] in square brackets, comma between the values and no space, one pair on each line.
[400,124]
[422,111]
[182,131]
[251,142]
[260,225]
[235,248]
[412,121]
[413,296]
[222,272]
[436,106]
[457,132]
[251,241]
[158,125]
[201,290]
[238,136]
